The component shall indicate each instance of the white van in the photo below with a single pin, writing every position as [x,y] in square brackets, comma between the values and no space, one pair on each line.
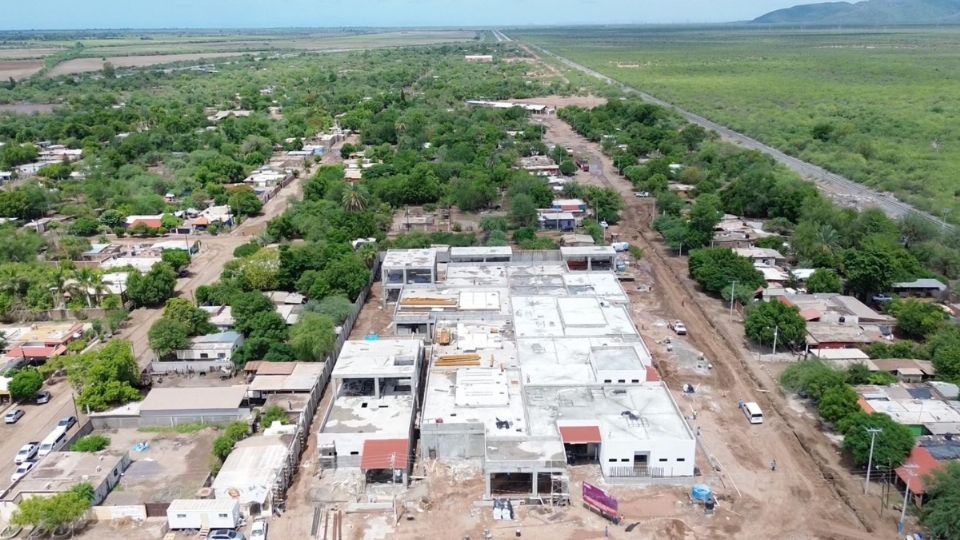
[54,441]
[753,413]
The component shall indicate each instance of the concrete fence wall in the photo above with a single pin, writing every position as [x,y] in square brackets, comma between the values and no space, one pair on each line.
[136,512]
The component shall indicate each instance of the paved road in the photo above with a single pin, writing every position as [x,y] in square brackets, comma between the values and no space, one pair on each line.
[38,421]
[844,190]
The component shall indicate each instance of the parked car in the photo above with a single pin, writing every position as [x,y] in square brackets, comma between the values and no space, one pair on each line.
[43,397]
[27,452]
[22,470]
[14,416]
[642,194]
[259,530]
[679,328]
[225,534]
[67,422]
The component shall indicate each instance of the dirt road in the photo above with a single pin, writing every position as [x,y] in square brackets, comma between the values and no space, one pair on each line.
[215,252]
[797,499]
[838,187]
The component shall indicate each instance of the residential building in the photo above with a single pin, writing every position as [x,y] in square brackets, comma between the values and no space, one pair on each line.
[151,221]
[921,288]
[927,409]
[255,466]
[196,405]
[206,354]
[588,257]
[763,256]
[403,267]
[556,221]
[540,166]
[479,58]
[481,254]
[59,472]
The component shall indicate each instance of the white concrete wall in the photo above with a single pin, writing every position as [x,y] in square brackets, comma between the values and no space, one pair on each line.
[629,376]
[668,449]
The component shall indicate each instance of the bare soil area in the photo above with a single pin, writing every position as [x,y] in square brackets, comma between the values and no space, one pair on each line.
[86,65]
[27,53]
[809,495]
[19,69]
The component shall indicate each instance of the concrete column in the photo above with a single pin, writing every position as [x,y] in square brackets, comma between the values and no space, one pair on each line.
[589,263]
[486,484]
[536,482]
[376,387]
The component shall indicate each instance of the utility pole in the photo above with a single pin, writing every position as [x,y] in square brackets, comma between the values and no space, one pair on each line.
[906,494]
[776,331]
[733,295]
[873,436]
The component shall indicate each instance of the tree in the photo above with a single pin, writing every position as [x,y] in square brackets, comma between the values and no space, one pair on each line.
[25,384]
[261,270]
[90,443]
[763,320]
[824,280]
[106,376]
[838,402]
[716,268]
[193,318]
[153,288]
[168,335]
[246,250]
[85,226]
[246,305]
[355,198]
[109,71]
[52,514]
[523,211]
[346,276]
[917,319]
[939,514]
[944,350]
[267,325]
[273,413]
[338,308]
[178,259]
[869,269]
[704,216]
[567,167]
[892,445]
[313,337]
[244,203]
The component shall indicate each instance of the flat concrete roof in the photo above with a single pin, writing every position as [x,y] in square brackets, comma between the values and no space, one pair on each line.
[481,251]
[251,469]
[60,471]
[476,396]
[410,258]
[644,412]
[533,451]
[587,251]
[471,275]
[380,358]
[492,341]
[388,416]
[196,398]
[570,361]
[542,316]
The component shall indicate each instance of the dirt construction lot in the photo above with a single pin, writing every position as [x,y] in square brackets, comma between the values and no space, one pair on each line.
[19,69]
[810,495]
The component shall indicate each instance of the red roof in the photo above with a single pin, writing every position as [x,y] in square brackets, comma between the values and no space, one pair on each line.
[652,374]
[810,314]
[385,454]
[152,223]
[580,434]
[864,405]
[925,463]
[35,351]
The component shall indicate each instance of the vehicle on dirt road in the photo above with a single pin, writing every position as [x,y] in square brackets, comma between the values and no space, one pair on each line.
[259,530]
[27,452]
[678,328]
[43,397]
[14,416]
[22,470]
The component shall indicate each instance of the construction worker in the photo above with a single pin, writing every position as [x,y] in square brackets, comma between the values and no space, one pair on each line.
[773,465]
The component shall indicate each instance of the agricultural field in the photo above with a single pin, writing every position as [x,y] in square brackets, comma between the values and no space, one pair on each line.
[60,55]
[878,106]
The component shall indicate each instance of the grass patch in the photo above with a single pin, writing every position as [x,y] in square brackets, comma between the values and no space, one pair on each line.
[182,429]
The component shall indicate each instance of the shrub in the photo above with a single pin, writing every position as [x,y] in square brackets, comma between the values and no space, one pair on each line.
[91,443]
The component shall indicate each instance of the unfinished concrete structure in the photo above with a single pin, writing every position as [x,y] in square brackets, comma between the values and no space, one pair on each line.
[376,385]
[588,257]
[406,267]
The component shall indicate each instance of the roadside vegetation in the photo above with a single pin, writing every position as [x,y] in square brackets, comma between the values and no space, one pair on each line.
[831,97]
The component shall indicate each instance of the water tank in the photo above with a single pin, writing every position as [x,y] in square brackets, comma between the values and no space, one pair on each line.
[702,493]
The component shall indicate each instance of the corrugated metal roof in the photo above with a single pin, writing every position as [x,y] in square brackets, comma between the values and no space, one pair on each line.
[385,454]
[183,399]
[925,464]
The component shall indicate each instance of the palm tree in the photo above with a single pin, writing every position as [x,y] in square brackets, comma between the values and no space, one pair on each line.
[59,285]
[355,198]
[90,284]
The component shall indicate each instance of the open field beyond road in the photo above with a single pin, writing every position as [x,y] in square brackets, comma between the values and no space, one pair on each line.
[879,107]
[19,69]
[85,65]
[27,53]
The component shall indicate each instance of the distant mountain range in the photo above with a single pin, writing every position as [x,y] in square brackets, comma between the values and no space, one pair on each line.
[868,13]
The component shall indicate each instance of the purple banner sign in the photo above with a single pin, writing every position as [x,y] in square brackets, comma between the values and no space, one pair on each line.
[600,499]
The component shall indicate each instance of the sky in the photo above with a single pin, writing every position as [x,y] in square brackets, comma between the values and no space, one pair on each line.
[76,14]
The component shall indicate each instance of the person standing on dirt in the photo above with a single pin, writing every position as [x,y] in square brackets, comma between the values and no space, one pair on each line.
[773,465]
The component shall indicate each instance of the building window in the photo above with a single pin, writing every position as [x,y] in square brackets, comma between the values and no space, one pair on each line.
[612,460]
[622,381]
[608,381]
[635,381]
[203,355]
[354,453]
[221,355]
[680,459]
[625,460]
[221,515]
[662,459]
[181,515]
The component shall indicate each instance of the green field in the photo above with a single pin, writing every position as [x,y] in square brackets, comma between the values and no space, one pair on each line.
[880,106]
